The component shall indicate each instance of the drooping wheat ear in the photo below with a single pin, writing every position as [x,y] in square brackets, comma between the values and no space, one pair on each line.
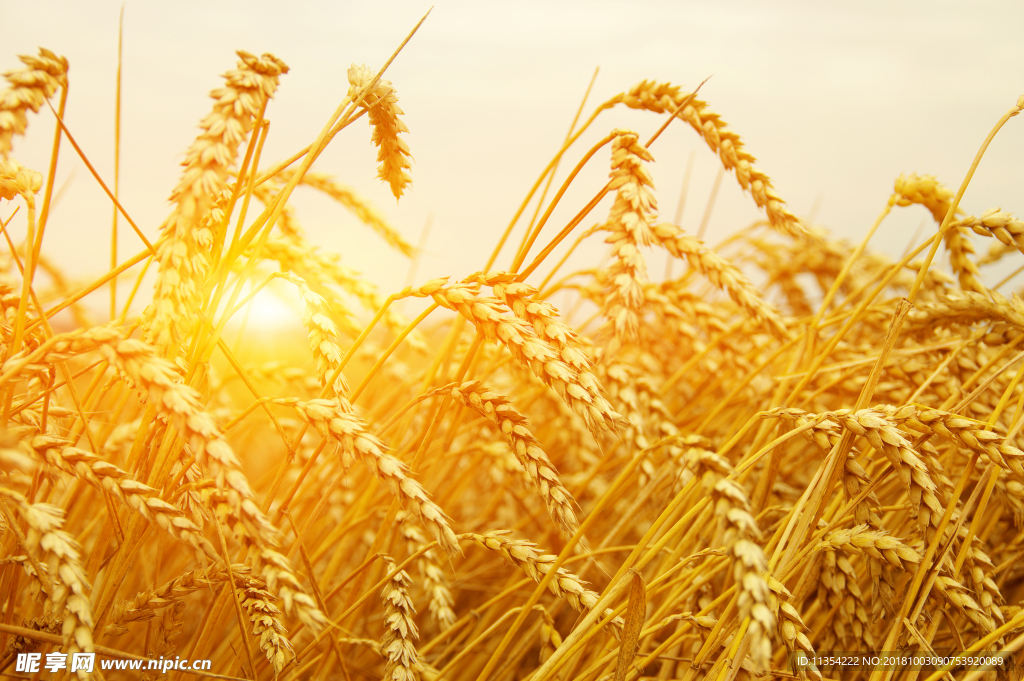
[550,639]
[719,272]
[398,643]
[147,603]
[629,228]
[17,180]
[995,222]
[665,98]
[266,621]
[49,545]
[927,191]
[182,406]
[792,627]
[525,304]
[489,316]
[323,336]
[358,205]
[825,434]
[883,435]
[29,88]
[336,419]
[382,104]
[141,498]
[732,507]
[525,556]
[839,580]
[516,429]
[965,432]
[434,581]
[967,307]
[182,253]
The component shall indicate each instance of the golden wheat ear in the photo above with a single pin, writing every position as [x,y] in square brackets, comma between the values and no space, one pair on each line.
[29,88]
[382,104]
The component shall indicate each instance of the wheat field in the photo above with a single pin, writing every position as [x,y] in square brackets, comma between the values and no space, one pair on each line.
[784,447]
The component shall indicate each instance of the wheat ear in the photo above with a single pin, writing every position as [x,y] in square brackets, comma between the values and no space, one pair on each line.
[186,235]
[54,547]
[489,316]
[141,498]
[665,97]
[398,643]
[335,419]
[29,88]
[434,581]
[382,104]
[629,227]
[516,430]
[732,507]
[524,555]
[719,272]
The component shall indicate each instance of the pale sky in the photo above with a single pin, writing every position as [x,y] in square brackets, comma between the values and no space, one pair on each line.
[835,100]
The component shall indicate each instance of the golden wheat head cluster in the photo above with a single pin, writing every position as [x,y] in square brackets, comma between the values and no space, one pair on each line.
[792,446]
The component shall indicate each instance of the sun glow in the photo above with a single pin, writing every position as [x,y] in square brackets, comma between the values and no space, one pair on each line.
[269,309]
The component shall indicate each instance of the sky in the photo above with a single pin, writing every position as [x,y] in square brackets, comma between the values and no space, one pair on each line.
[834,99]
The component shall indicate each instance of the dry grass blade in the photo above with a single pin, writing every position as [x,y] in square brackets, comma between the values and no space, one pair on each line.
[635,611]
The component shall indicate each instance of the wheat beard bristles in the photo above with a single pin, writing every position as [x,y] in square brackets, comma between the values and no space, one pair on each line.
[382,104]
[515,428]
[665,97]
[336,419]
[55,548]
[186,238]
[629,227]
[30,87]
